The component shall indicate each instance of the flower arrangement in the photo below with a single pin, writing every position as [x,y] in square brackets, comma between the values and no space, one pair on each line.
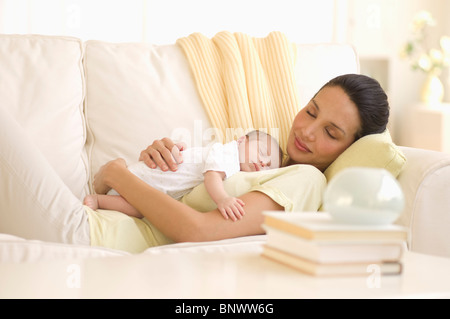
[429,60]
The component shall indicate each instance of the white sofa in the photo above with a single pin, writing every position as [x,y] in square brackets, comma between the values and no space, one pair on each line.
[84,103]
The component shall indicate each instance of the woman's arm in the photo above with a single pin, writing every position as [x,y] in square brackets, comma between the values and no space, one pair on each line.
[176,220]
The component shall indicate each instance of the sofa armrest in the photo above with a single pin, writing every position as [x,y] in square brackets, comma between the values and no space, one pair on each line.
[425,181]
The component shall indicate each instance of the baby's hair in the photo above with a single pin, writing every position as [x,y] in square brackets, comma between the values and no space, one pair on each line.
[259,133]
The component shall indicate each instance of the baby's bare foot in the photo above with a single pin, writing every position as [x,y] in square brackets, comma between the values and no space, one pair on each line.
[91,201]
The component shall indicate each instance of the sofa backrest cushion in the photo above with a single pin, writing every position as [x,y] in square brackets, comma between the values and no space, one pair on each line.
[42,86]
[137,93]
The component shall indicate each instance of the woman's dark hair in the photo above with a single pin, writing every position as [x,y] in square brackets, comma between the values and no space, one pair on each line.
[370,99]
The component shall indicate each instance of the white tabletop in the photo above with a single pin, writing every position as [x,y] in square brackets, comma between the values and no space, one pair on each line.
[213,275]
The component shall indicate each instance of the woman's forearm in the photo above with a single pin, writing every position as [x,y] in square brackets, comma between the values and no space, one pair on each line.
[161,210]
[180,222]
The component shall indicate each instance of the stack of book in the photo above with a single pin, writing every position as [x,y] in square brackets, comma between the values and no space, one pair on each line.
[316,244]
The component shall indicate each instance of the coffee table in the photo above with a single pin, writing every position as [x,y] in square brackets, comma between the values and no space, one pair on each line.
[166,274]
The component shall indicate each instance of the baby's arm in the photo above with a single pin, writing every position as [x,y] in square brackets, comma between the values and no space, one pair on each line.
[227,205]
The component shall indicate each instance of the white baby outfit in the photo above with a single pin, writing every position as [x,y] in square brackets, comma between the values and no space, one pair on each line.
[196,161]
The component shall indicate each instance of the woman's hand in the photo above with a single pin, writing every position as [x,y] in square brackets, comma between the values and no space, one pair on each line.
[103,176]
[164,154]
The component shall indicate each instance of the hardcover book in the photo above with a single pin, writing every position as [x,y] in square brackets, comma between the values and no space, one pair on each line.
[320,226]
[332,269]
[335,251]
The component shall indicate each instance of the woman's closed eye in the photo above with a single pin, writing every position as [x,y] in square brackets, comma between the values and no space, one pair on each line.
[329,130]
[330,134]
[311,114]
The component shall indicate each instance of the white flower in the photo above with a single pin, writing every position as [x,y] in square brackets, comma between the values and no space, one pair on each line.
[425,62]
[445,44]
[447,61]
[436,56]
[422,19]
[423,58]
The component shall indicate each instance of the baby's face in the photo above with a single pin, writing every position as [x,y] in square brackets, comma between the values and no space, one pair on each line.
[258,153]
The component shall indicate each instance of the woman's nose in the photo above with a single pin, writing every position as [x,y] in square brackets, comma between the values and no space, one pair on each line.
[309,133]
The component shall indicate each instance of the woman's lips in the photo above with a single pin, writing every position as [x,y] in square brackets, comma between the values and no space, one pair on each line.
[301,146]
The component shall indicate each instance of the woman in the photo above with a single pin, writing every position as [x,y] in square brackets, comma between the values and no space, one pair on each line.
[345,109]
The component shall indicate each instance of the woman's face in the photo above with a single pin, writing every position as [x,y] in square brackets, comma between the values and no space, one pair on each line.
[323,129]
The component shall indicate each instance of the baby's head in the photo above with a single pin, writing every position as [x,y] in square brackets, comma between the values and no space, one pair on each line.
[259,151]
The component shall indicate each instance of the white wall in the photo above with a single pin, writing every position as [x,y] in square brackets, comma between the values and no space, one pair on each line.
[446,17]
[164,21]
[406,84]
[302,21]
[377,28]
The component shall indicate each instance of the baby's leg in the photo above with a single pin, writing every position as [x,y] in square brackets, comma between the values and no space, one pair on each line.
[112,202]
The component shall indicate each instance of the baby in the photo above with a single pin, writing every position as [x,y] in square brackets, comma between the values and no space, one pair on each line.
[255,151]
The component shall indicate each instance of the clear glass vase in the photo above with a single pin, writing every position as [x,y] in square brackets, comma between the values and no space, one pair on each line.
[433,90]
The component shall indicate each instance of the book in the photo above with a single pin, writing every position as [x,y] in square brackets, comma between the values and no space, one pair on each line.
[332,269]
[335,251]
[320,226]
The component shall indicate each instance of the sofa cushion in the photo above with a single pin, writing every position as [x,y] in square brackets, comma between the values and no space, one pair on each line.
[42,87]
[375,150]
[137,93]
[35,203]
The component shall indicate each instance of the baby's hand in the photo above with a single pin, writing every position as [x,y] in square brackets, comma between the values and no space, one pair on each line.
[231,207]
